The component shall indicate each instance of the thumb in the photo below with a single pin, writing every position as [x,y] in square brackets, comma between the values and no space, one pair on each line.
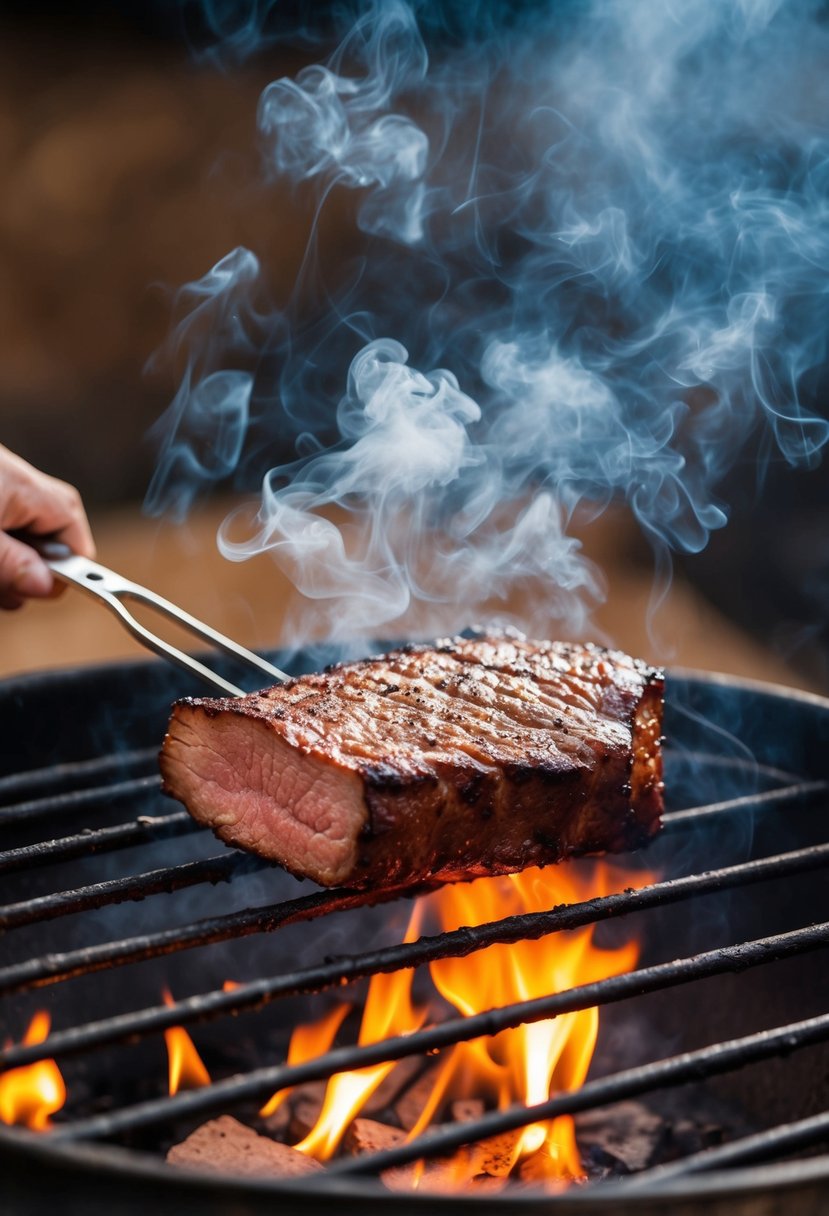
[22,570]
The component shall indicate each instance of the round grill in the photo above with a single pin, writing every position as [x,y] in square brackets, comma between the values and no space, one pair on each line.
[111,891]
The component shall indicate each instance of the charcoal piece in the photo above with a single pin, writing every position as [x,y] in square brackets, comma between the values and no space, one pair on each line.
[370,1136]
[620,1139]
[497,1155]
[226,1146]
[410,1104]
[466,1110]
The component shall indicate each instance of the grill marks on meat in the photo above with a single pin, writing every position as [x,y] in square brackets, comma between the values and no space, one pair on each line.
[473,756]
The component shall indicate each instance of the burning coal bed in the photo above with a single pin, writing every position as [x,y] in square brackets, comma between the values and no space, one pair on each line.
[302,1129]
[378,1108]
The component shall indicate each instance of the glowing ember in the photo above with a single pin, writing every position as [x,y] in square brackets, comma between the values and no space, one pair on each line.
[186,1069]
[29,1095]
[524,1065]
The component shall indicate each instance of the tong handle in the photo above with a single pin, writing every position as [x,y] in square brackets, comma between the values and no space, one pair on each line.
[111,589]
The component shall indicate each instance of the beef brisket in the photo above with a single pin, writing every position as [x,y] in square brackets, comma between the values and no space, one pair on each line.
[462,758]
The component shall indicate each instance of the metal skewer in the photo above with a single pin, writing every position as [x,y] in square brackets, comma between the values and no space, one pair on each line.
[112,589]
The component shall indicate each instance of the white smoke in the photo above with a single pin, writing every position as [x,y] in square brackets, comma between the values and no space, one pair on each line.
[418,514]
[609,220]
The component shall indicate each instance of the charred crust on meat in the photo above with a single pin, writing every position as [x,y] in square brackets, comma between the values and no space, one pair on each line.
[391,780]
[382,776]
[471,788]
[551,843]
[519,772]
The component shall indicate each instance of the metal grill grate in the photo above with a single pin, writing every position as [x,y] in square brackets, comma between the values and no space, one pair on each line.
[125,788]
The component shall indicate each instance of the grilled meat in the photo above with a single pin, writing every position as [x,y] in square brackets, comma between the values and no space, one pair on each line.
[467,757]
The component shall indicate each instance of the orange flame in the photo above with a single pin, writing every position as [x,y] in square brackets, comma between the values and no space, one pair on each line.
[29,1095]
[309,1041]
[524,1065]
[532,1061]
[388,1011]
[186,1069]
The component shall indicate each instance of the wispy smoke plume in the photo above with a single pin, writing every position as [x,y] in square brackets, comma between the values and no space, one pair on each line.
[608,220]
[201,435]
[341,128]
[410,468]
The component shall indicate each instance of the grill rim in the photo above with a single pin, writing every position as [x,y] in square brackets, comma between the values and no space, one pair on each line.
[743,1182]
[784,1178]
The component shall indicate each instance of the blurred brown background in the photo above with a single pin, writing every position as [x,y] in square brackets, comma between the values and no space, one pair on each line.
[128,170]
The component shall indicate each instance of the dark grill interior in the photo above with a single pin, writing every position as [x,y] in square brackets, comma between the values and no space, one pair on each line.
[729,976]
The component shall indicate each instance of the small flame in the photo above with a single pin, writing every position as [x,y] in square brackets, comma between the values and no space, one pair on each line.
[29,1095]
[308,1041]
[388,1011]
[185,1065]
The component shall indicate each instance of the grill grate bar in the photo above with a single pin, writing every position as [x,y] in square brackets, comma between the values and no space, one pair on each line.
[58,967]
[789,795]
[456,944]
[75,800]
[747,764]
[224,867]
[768,1145]
[54,968]
[145,830]
[73,774]
[259,1084]
[630,1083]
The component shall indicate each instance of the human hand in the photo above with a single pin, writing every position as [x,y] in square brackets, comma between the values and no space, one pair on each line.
[33,501]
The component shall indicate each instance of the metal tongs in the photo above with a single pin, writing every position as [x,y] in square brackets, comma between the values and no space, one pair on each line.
[111,589]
